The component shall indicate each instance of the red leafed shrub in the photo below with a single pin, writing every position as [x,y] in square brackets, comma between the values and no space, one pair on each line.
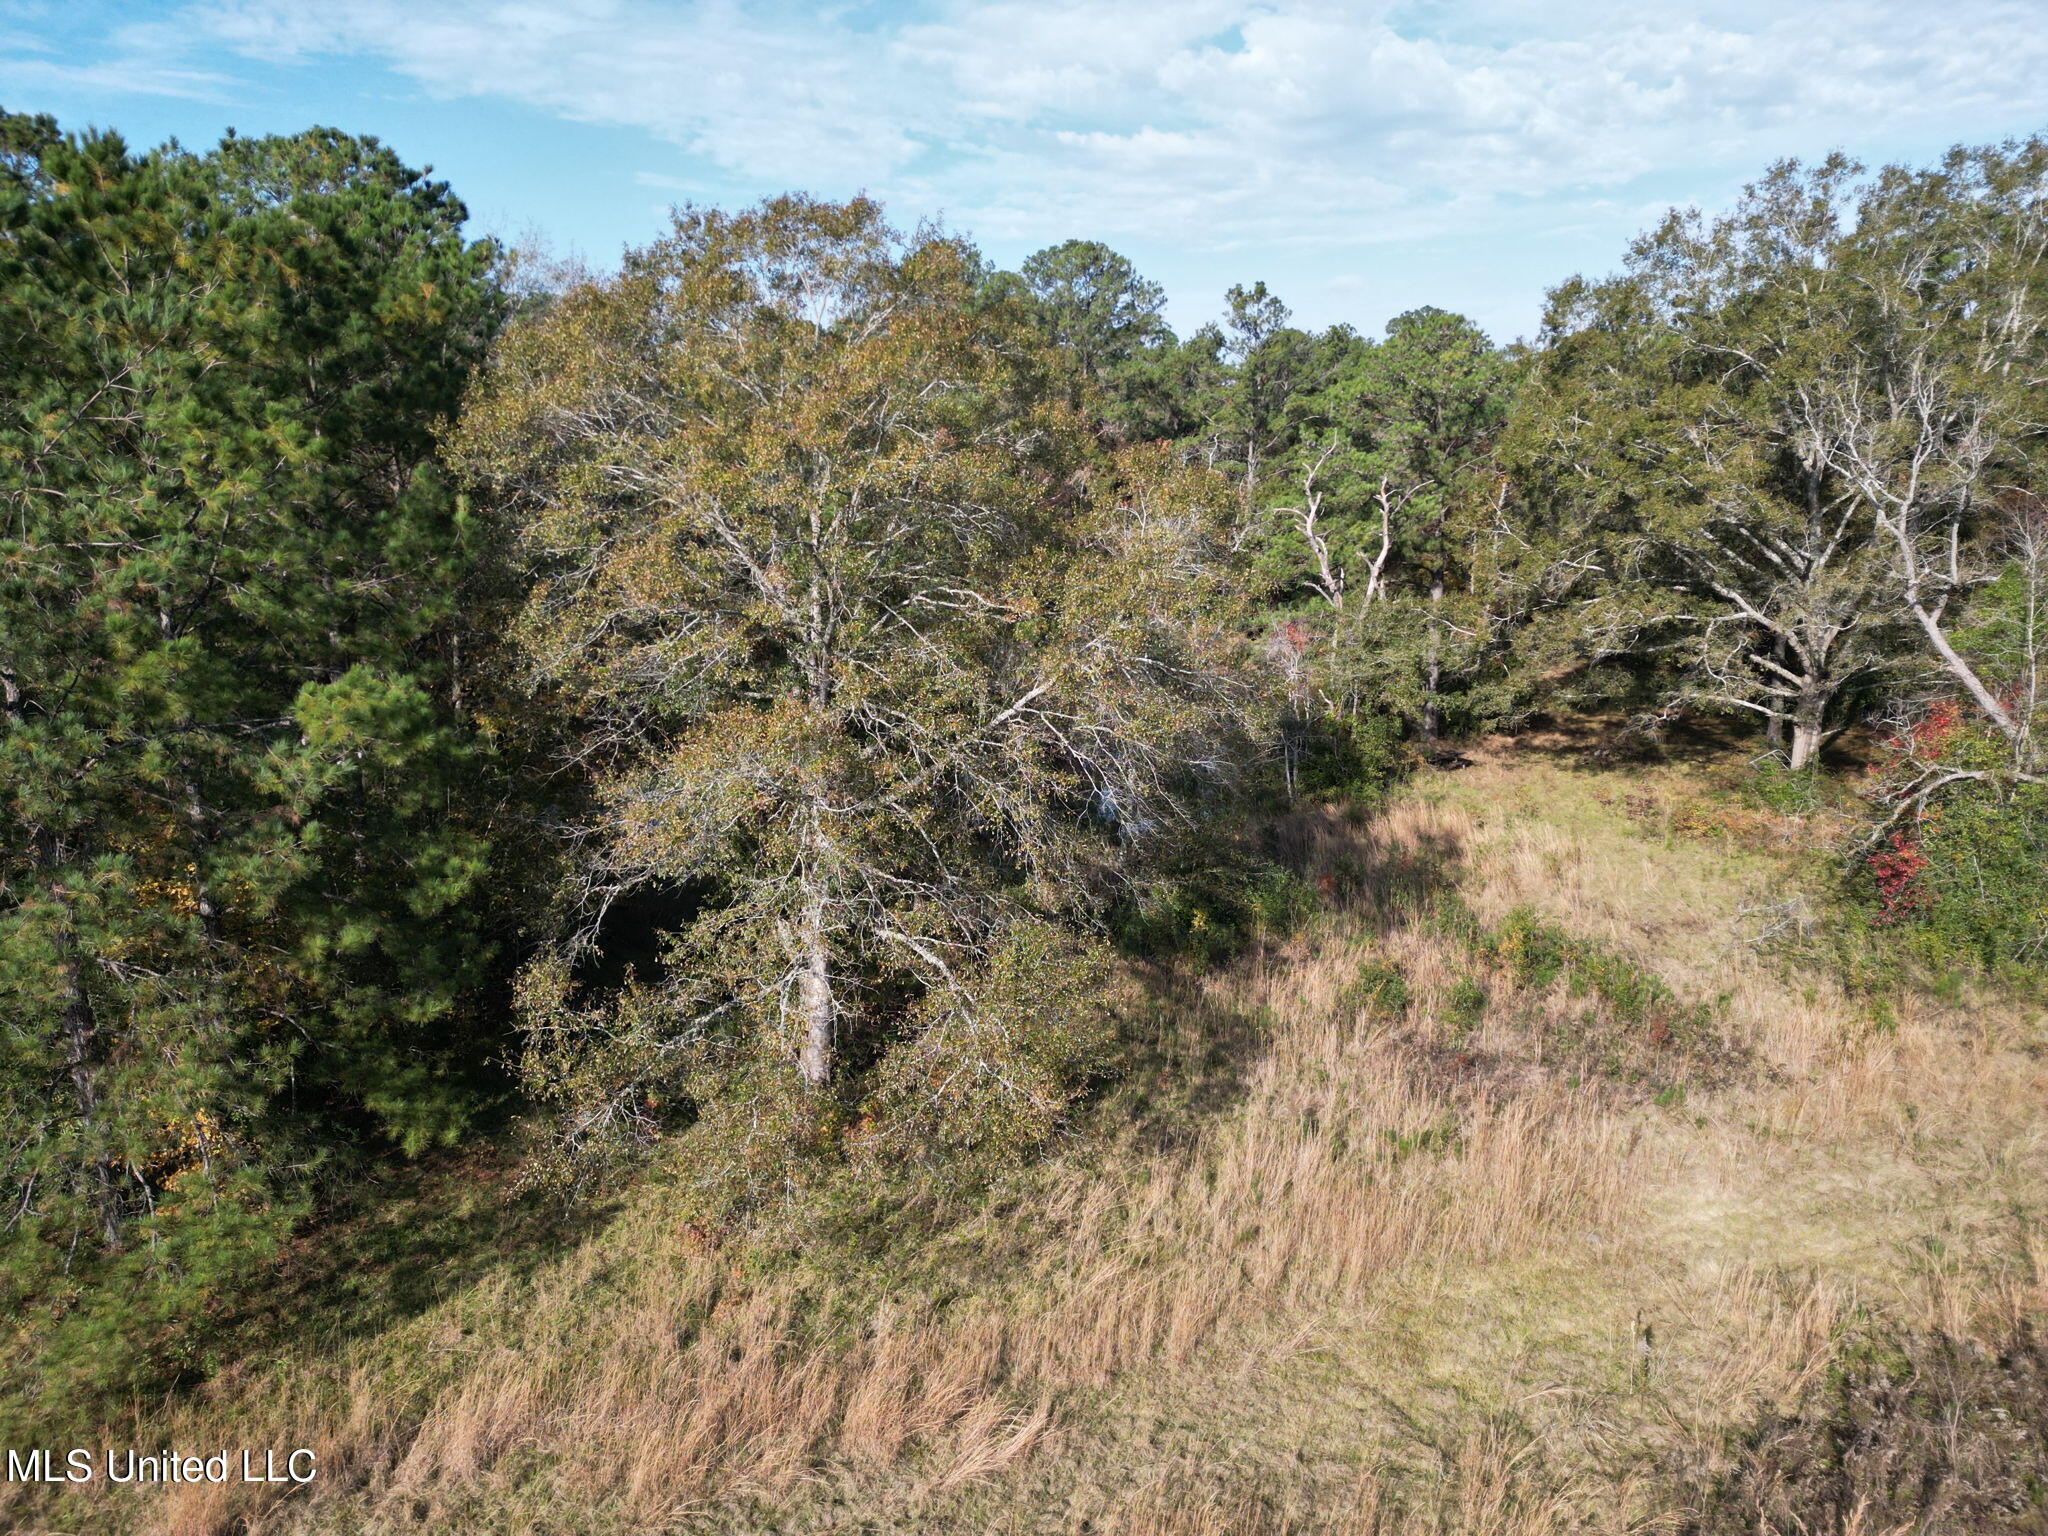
[1930,734]
[1897,872]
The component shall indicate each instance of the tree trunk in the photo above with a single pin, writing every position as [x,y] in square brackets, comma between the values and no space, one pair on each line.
[80,1042]
[1775,722]
[815,1003]
[1930,625]
[1987,701]
[1433,667]
[202,898]
[1809,721]
[1805,742]
[1293,748]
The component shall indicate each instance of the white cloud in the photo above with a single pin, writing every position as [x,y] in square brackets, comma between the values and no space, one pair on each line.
[137,64]
[128,77]
[1207,124]
[1224,119]
[757,94]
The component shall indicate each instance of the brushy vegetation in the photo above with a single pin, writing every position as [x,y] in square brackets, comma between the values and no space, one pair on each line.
[1338,1248]
[1965,883]
[812,887]
[1921,1432]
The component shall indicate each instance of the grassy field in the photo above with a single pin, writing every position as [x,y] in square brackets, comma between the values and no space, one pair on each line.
[1534,1186]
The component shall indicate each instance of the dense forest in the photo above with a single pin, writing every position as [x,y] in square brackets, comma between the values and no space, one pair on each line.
[763,720]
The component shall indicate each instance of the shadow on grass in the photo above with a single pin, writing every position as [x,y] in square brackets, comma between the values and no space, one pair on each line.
[1184,1060]
[1186,1053]
[1358,863]
[1914,1432]
[1613,744]
[405,1239]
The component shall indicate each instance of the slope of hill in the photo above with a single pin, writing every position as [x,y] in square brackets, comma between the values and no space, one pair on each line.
[1529,1188]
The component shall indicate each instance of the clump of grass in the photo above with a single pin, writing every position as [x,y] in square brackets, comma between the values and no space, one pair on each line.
[1465,1006]
[1789,791]
[1448,915]
[1491,1481]
[1379,987]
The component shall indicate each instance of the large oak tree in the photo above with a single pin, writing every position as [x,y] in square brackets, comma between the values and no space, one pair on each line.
[874,660]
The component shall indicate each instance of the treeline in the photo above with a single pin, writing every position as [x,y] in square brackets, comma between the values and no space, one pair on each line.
[756,693]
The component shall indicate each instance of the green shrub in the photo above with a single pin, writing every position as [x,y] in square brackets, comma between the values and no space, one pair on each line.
[1630,992]
[1963,883]
[1379,987]
[1535,953]
[1466,1005]
[1786,790]
[987,1076]
[1352,759]
[1277,901]
[1969,879]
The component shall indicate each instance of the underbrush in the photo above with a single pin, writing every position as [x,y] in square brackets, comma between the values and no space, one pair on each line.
[1607,1013]
[1947,905]
[1274,1144]
[1206,914]
[400,1239]
[1923,1432]
[1964,884]
[1385,1225]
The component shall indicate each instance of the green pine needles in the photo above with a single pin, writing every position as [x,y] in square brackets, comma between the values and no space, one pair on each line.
[242,879]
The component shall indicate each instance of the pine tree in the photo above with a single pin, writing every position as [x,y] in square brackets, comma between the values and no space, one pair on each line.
[240,863]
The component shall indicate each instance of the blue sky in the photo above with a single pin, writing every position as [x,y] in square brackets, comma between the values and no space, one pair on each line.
[1359,158]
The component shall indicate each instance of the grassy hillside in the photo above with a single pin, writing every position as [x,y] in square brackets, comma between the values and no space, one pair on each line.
[1534,1186]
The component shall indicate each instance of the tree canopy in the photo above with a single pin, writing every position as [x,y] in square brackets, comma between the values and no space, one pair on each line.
[240,870]
[765,687]
[858,624]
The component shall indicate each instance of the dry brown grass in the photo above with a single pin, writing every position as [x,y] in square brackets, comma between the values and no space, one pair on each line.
[1417,1277]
